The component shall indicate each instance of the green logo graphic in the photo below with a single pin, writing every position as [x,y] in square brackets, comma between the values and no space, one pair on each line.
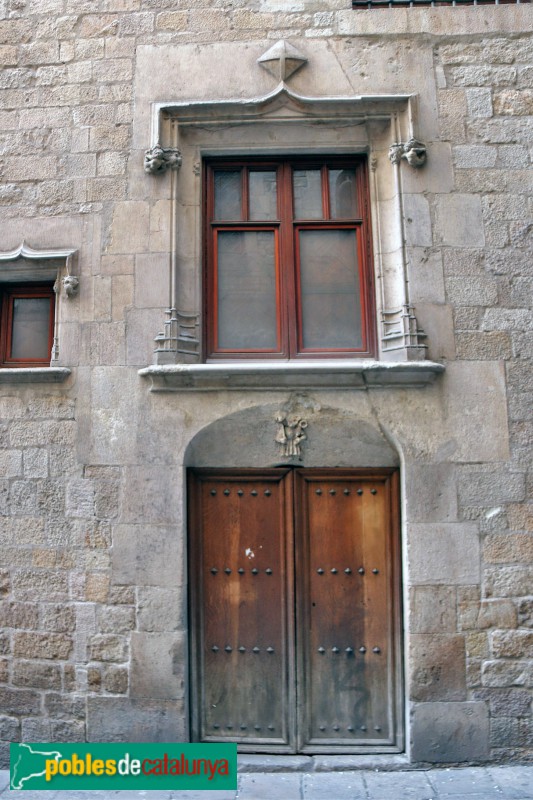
[123,766]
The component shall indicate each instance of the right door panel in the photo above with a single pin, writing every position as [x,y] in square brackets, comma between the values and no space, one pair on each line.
[347,606]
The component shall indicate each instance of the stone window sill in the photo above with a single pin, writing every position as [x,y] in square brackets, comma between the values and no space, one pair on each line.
[34,375]
[360,374]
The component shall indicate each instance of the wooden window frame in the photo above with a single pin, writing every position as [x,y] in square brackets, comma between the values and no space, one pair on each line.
[380,4]
[8,294]
[286,228]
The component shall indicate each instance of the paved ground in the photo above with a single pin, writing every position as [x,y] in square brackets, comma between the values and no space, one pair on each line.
[474,783]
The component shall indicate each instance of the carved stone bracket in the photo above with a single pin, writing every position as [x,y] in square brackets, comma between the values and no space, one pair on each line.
[402,338]
[179,340]
[413,151]
[290,434]
[157,160]
[71,284]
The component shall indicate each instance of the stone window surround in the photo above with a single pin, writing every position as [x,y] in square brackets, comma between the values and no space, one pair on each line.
[381,126]
[25,265]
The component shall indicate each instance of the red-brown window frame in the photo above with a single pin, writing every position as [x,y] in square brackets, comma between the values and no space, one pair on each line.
[287,227]
[374,4]
[8,294]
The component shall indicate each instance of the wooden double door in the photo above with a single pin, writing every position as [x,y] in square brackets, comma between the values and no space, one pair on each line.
[295,610]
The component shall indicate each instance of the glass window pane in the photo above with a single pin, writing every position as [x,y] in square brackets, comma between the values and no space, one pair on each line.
[342,194]
[246,282]
[307,194]
[228,194]
[263,195]
[31,325]
[330,291]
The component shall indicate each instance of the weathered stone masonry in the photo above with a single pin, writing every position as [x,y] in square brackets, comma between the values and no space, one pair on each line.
[93,616]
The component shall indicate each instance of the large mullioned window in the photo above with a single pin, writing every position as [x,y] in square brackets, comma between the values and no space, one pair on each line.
[288,271]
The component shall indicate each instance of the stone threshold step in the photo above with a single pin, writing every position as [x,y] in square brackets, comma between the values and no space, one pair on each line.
[268,763]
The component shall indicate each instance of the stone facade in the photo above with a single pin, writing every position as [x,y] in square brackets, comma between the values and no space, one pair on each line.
[93,577]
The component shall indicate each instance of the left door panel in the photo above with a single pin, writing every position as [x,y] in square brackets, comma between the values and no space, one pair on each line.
[241,591]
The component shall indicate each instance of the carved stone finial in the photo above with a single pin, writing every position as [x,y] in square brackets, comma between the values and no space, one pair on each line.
[290,434]
[158,159]
[414,152]
[71,284]
[282,60]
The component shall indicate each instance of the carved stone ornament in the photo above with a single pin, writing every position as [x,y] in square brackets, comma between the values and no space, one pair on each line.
[71,284]
[282,60]
[290,434]
[402,336]
[414,152]
[158,159]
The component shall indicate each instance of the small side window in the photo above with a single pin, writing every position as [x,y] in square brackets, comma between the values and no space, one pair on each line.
[26,324]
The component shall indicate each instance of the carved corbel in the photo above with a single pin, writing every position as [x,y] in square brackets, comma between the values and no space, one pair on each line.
[414,152]
[71,285]
[158,159]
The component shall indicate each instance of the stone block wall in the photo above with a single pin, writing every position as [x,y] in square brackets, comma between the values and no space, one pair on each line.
[93,617]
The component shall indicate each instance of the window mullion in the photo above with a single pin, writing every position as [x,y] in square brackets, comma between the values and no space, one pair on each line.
[245,194]
[325,193]
[288,265]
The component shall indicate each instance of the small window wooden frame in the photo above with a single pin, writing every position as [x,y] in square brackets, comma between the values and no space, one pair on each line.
[373,4]
[286,229]
[8,294]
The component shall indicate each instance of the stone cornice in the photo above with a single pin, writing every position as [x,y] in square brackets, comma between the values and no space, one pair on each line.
[25,251]
[279,105]
[35,375]
[263,376]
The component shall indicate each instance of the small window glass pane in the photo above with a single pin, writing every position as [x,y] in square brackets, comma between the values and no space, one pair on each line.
[342,194]
[263,195]
[307,194]
[246,283]
[228,194]
[31,326]
[330,292]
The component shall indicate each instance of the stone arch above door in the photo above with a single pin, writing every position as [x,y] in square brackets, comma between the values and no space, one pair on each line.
[334,437]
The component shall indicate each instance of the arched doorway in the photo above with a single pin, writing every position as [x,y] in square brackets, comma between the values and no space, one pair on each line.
[294,589]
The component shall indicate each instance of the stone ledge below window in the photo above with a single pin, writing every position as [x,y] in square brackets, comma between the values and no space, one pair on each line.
[290,375]
[34,375]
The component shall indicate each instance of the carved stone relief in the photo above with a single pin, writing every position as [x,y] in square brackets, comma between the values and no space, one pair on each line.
[290,434]
[413,151]
[157,160]
[282,60]
[71,284]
